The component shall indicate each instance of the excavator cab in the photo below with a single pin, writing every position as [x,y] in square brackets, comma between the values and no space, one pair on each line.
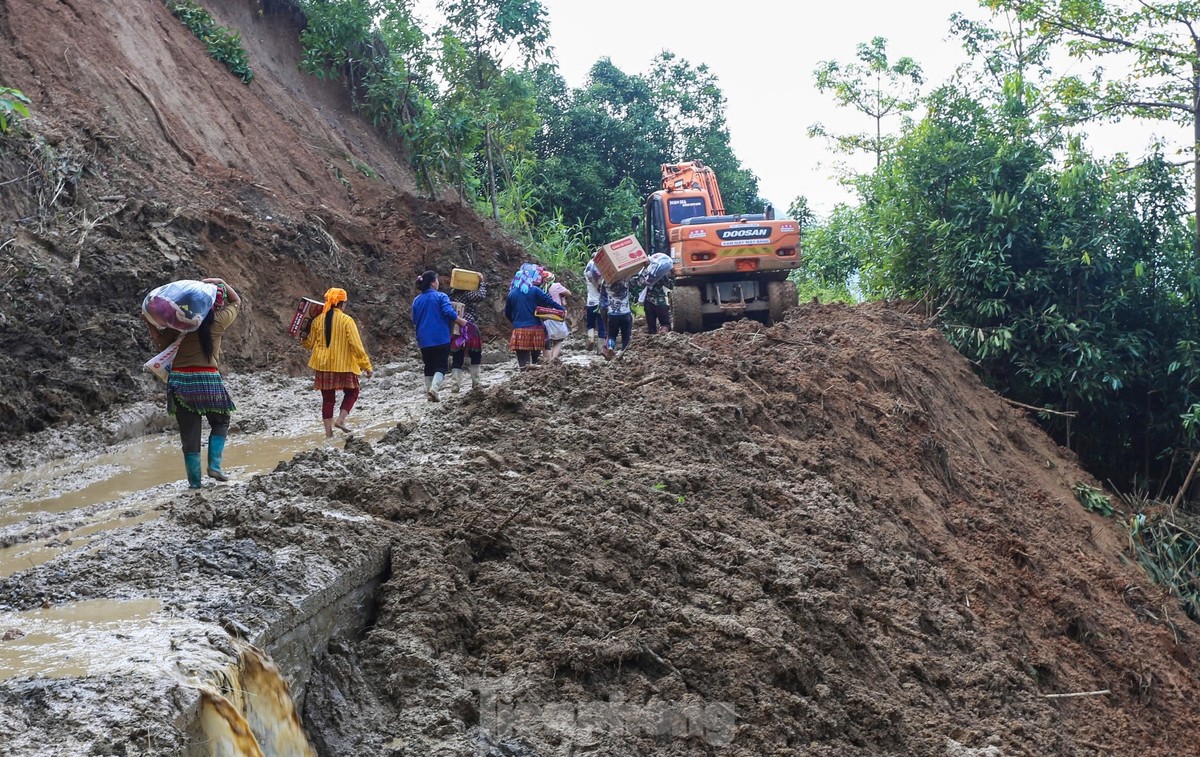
[666,210]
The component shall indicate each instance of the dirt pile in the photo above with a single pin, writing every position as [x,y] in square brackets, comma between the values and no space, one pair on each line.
[146,161]
[822,538]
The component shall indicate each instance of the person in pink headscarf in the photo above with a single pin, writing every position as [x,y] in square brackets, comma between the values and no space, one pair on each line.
[557,331]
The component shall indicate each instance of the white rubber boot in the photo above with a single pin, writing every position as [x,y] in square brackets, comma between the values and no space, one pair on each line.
[591,341]
[455,379]
[434,386]
[476,382]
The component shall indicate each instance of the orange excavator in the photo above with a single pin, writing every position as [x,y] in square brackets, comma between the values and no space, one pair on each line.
[726,266]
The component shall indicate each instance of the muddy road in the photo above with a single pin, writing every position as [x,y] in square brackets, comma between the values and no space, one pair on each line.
[822,537]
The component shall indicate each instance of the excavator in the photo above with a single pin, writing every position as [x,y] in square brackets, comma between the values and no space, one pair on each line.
[726,266]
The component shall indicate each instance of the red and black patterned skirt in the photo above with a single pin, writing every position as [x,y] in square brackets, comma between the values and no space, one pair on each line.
[325,381]
[527,338]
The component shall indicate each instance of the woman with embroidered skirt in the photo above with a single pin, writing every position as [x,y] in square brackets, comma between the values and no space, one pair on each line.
[433,314]
[468,342]
[525,296]
[338,357]
[195,389]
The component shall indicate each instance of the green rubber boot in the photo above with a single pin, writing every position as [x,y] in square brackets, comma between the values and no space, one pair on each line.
[191,461]
[216,448]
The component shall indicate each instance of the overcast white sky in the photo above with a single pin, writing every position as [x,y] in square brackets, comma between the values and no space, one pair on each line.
[763,53]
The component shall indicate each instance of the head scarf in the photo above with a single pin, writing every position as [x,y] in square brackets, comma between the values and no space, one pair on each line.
[333,296]
[528,276]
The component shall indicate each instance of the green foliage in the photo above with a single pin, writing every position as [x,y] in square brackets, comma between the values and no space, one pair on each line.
[1068,283]
[224,45]
[1169,552]
[560,245]
[360,166]
[602,146]
[379,51]
[13,104]
[564,170]
[1153,46]
[834,252]
[1093,500]
[873,86]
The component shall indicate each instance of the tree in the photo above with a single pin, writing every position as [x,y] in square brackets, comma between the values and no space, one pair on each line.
[874,87]
[478,36]
[1065,279]
[1159,43]
[693,106]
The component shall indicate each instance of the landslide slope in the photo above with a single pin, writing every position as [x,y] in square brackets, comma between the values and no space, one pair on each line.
[147,161]
[829,526]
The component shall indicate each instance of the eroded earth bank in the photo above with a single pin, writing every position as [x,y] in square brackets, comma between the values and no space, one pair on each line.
[823,537]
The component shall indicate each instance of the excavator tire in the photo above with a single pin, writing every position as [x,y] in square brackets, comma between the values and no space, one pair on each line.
[685,310]
[781,296]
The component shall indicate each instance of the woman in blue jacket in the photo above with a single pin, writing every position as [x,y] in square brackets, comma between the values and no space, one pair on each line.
[524,298]
[433,314]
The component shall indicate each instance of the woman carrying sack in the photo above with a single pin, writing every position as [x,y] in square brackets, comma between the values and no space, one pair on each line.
[195,389]
[557,331]
[337,359]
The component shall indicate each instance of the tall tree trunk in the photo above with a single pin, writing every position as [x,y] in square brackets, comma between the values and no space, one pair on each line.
[1196,154]
[1196,173]
[487,135]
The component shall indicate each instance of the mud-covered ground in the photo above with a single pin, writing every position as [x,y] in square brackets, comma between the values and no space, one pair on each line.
[820,538]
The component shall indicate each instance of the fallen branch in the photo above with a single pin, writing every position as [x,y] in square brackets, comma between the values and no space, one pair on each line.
[1102,692]
[162,121]
[1186,483]
[1064,413]
[787,341]
[648,380]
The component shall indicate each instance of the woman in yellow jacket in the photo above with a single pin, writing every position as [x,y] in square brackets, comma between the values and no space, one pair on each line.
[337,358]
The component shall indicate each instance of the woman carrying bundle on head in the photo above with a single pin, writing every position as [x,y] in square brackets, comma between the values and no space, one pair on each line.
[195,389]
[338,357]
[525,296]
[433,314]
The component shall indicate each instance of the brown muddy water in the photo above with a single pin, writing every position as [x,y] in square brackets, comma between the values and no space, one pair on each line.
[59,505]
[74,492]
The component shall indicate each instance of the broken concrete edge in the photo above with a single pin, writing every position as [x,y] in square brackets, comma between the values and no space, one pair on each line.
[294,639]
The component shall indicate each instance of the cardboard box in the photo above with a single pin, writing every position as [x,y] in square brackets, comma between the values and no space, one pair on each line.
[305,311]
[467,281]
[621,259]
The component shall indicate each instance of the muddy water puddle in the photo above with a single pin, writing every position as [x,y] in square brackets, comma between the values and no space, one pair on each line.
[94,637]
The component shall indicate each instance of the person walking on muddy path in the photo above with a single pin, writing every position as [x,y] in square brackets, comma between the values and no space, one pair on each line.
[525,296]
[468,343]
[620,318]
[433,314]
[557,331]
[338,357]
[195,389]
[597,304]
[658,305]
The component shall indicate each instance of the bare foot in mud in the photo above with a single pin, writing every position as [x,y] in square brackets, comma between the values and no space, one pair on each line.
[343,428]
